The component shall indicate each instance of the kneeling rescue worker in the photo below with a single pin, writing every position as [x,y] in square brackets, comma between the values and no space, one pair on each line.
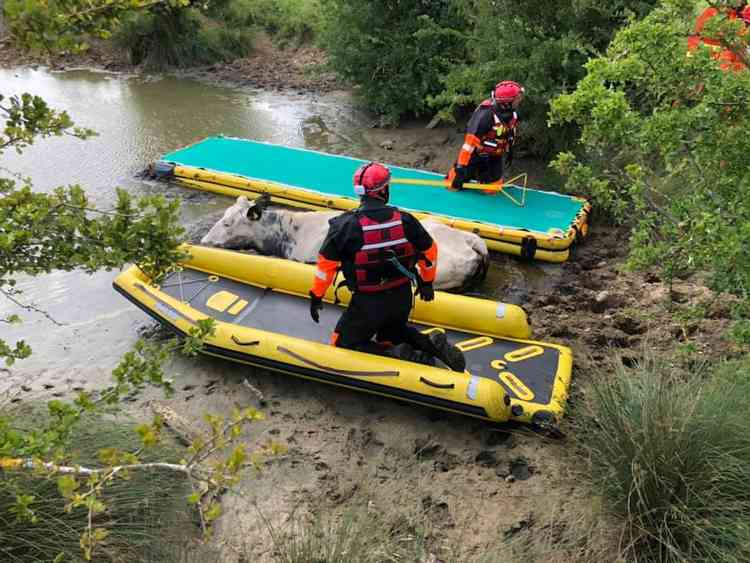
[489,137]
[379,248]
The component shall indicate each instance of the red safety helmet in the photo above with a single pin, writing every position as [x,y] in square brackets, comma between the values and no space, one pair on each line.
[745,14]
[372,180]
[507,92]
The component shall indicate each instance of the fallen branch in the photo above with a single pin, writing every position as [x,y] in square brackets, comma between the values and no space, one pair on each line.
[9,295]
[10,463]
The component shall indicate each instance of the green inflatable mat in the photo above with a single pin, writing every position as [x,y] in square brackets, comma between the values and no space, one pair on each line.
[544,212]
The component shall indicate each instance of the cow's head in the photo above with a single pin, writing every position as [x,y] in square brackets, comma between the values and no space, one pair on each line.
[241,227]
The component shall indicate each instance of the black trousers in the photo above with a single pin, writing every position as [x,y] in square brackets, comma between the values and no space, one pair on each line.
[383,315]
[485,169]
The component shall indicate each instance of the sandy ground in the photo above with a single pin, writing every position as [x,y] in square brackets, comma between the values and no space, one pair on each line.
[476,484]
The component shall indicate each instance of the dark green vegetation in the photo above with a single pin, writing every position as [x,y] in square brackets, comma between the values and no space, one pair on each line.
[422,57]
[181,38]
[290,22]
[663,148]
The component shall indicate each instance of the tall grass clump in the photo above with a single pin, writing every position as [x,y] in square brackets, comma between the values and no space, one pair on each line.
[147,515]
[358,534]
[287,21]
[670,454]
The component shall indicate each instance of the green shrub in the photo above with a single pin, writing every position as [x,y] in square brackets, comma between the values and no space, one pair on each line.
[670,454]
[397,52]
[179,38]
[289,21]
[543,48]
[663,148]
[147,516]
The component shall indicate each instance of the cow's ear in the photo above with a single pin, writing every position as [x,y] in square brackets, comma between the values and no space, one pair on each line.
[263,201]
[254,213]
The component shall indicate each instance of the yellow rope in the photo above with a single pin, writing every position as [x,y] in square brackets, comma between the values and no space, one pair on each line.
[473,186]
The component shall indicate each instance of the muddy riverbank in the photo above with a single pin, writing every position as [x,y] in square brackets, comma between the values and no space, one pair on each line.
[473,484]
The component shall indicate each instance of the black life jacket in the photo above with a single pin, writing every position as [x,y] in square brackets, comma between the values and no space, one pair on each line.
[384,243]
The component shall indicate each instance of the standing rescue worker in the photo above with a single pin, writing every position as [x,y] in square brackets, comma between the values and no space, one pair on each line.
[728,59]
[490,135]
[379,248]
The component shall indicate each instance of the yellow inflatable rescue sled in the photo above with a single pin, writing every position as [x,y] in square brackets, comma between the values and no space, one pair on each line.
[261,310]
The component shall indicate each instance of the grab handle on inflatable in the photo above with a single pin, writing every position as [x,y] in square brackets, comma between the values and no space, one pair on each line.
[437,385]
[241,343]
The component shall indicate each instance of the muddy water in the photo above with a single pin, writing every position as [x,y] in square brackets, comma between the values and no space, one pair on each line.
[137,119]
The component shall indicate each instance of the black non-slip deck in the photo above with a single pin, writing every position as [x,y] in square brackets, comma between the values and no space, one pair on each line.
[527,371]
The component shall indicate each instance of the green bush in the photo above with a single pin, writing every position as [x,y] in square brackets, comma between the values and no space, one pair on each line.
[289,21]
[544,49]
[670,454]
[147,515]
[396,52]
[179,38]
[415,56]
[663,148]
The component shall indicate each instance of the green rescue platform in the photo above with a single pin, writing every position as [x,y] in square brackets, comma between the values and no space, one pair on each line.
[546,227]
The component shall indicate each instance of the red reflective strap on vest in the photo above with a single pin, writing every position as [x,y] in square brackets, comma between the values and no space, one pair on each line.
[382,240]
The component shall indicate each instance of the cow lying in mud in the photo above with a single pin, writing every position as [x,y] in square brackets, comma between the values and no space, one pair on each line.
[297,235]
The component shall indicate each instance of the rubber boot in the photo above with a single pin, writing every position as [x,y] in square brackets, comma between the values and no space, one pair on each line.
[406,352]
[437,344]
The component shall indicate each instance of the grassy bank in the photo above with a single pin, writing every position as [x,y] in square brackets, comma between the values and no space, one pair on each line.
[669,453]
[147,515]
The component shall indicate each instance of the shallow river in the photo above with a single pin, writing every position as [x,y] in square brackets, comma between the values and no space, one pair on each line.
[138,119]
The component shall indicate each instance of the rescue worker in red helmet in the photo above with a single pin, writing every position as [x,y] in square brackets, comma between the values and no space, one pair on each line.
[379,249]
[490,135]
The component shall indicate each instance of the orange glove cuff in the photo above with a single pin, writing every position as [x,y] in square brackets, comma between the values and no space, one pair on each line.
[428,272]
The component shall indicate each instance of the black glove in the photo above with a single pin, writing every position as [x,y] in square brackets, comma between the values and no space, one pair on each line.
[509,159]
[459,178]
[316,305]
[426,293]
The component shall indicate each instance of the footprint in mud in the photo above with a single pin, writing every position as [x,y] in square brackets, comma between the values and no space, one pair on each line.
[438,511]
[48,386]
[443,460]
[518,469]
[78,388]
[25,388]
[188,387]
[519,527]
[486,458]
[494,438]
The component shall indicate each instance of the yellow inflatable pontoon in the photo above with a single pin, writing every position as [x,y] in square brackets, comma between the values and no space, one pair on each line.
[262,319]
